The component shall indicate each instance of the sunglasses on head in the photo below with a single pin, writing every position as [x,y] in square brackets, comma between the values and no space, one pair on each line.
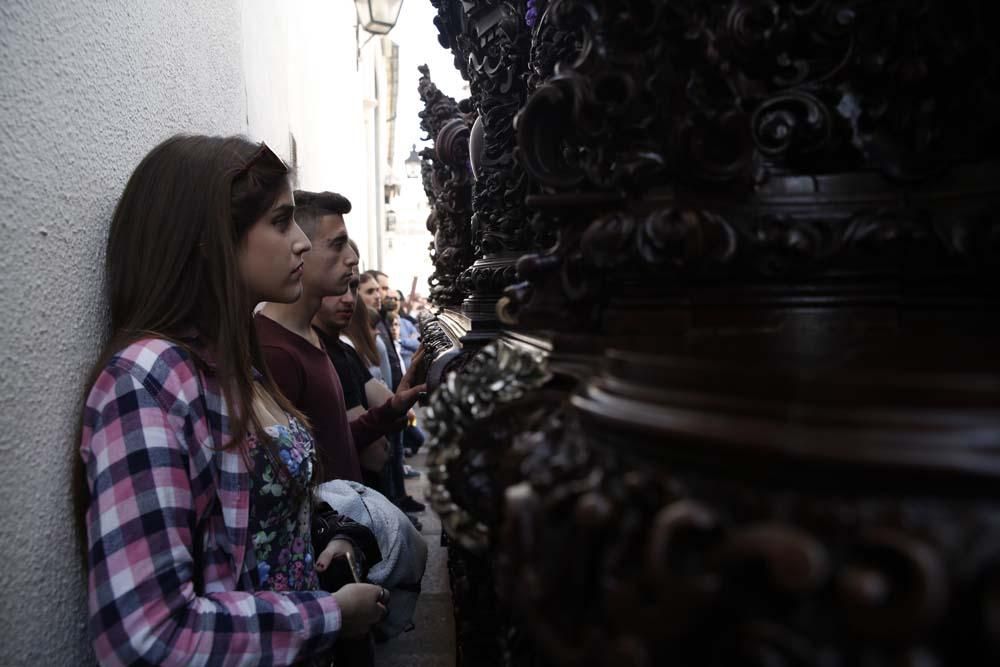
[263,155]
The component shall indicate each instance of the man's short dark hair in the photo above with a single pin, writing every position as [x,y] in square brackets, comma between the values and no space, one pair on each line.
[311,206]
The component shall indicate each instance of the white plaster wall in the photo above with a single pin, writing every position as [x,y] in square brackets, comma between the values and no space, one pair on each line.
[265,58]
[303,78]
[86,89]
[374,90]
[326,106]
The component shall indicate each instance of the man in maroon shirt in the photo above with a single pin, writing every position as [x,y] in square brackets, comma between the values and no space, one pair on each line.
[298,361]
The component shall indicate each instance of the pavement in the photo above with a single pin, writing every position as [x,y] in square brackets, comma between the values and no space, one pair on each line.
[432,642]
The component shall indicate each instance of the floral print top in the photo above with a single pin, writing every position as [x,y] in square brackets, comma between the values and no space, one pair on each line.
[280,509]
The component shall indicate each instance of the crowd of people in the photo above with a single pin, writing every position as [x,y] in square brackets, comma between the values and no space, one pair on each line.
[244,430]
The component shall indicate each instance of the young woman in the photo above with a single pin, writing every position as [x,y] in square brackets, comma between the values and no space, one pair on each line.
[383,353]
[360,333]
[198,471]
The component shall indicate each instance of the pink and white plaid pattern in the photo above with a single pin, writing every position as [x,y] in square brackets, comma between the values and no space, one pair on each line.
[158,476]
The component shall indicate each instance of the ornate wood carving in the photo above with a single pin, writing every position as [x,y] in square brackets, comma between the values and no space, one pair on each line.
[491,40]
[735,92]
[447,182]
[748,142]
[764,250]
[463,478]
[490,43]
[480,402]
[677,518]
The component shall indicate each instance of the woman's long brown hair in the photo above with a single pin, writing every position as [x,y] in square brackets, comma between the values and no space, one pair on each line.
[359,328]
[171,264]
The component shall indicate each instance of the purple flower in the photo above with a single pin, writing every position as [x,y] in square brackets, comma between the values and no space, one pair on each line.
[531,16]
[299,545]
[284,556]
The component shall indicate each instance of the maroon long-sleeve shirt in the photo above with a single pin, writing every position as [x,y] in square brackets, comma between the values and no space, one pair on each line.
[306,376]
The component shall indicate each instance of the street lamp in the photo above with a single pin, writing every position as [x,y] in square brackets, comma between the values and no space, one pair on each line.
[390,221]
[412,163]
[378,16]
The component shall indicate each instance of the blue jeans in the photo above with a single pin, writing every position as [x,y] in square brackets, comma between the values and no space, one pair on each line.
[413,438]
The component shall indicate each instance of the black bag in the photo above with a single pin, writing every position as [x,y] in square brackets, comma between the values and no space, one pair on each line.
[328,524]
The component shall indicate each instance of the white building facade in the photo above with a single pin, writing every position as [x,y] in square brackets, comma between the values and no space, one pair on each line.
[86,89]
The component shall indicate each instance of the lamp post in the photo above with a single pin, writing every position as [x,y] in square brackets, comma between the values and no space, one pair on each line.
[378,16]
[412,163]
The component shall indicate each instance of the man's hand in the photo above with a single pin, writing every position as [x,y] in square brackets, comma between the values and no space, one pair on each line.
[408,391]
[374,456]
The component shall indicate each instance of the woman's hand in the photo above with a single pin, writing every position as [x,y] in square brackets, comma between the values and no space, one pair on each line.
[336,547]
[361,606]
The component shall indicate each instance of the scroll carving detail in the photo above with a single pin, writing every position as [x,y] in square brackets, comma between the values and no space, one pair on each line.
[498,375]
[447,182]
[806,579]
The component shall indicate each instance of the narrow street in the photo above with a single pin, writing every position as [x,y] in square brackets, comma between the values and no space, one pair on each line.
[432,642]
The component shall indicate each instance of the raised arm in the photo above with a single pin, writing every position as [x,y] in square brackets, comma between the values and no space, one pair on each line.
[390,414]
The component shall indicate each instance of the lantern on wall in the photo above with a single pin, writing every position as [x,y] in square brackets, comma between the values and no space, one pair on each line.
[378,16]
[390,221]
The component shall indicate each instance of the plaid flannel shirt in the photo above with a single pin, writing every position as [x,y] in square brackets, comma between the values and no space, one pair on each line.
[159,479]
